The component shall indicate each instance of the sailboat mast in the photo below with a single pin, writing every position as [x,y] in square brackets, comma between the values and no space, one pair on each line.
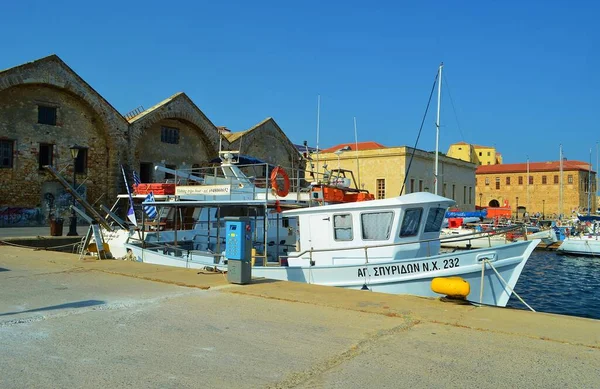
[527,209]
[318,123]
[356,147]
[590,184]
[437,129]
[560,187]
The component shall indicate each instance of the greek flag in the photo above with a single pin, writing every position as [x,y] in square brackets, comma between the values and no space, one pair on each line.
[136,178]
[150,209]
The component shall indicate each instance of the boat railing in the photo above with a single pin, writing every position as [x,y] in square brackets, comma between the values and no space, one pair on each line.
[498,231]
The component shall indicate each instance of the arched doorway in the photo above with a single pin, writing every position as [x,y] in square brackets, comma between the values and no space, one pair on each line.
[494,203]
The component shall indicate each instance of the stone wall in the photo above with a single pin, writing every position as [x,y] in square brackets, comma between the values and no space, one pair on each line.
[537,197]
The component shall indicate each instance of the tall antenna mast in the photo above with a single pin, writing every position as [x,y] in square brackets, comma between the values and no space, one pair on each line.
[356,151]
[560,188]
[437,129]
[318,121]
[590,184]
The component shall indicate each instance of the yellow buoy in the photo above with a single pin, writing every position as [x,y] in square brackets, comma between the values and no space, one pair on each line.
[454,287]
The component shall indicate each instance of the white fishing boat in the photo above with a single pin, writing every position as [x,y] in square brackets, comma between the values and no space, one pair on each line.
[476,238]
[388,246]
[581,245]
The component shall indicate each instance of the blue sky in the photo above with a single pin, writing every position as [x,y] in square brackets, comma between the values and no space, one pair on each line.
[521,74]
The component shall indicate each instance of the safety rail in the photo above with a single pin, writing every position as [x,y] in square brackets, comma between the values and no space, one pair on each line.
[462,237]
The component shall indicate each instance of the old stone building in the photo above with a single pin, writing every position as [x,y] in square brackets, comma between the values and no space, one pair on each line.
[477,154]
[545,189]
[46,109]
[174,134]
[267,142]
[382,170]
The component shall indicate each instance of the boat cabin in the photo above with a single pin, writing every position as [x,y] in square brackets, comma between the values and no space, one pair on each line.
[398,228]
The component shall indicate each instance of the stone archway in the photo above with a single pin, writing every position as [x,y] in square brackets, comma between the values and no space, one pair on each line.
[494,203]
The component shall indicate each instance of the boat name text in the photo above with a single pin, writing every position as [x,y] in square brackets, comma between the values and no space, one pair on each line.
[409,268]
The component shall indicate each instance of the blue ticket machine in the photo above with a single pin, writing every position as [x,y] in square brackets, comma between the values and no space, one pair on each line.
[238,249]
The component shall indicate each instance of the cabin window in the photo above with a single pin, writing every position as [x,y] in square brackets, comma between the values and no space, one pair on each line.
[342,227]
[435,217]
[376,225]
[411,222]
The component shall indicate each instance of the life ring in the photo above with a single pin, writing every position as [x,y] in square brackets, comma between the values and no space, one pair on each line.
[278,172]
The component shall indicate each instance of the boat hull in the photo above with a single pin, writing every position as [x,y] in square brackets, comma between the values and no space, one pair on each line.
[396,277]
[580,245]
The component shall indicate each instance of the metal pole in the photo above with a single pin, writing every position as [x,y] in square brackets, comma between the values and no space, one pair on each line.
[73,225]
[356,147]
[437,129]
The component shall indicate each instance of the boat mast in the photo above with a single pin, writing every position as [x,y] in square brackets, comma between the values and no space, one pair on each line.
[356,147]
[590,183]
[318,121]
[560,187]
[527,209]
[437,129]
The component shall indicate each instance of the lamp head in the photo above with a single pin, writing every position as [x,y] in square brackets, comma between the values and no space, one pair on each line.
[74,151]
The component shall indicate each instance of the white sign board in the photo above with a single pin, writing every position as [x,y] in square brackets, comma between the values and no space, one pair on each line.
[202,190]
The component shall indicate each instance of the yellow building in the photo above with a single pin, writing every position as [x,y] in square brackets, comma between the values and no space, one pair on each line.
[381,171]
[547,190]
[479,155]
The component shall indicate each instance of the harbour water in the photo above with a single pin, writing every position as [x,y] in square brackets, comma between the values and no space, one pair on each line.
[563,284]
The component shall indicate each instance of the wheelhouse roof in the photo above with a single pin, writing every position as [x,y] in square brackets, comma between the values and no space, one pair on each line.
[419,198]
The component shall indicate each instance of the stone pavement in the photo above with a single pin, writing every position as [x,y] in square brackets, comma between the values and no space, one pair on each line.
[80,324]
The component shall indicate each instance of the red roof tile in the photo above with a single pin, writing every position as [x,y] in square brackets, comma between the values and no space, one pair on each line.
[352,146]
[550,166]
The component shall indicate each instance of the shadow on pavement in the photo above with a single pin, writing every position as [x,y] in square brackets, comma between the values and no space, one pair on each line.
[76,304]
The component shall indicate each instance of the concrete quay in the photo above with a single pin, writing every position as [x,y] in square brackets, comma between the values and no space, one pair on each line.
[117,324]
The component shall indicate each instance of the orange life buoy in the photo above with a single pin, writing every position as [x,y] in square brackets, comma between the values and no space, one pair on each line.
[278,172]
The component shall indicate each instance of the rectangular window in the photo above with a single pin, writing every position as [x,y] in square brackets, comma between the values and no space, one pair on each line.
[487,180]
[520,180]
[470,195]
[435,217]
[45,155]
[381,188]
[81,162]
[544,180]
[412,185]
[6,153]
[169,135]
[342,227]
[497,182]
[376,225]
[444,190]
[47,115]
[507,180]
[570,179]
[411,222]
[464,194]
[556,178]
[480,153]
[420,185]
[530,180]
[489,153]
[453,192]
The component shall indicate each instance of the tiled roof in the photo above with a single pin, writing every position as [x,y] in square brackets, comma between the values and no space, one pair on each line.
[353,146]
[550,166]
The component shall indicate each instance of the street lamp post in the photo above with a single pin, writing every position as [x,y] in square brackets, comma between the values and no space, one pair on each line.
[517,217]
[73,226]
[543,209]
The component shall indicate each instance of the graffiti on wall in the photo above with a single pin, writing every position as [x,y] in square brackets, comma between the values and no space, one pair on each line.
[20,217]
